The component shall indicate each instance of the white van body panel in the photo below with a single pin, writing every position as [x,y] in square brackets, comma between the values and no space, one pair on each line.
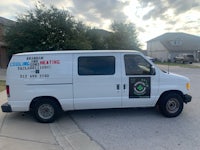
[31,76]
[97,91]
[56,74]
[170,81]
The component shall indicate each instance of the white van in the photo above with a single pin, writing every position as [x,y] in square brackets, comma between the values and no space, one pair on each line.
[47,83]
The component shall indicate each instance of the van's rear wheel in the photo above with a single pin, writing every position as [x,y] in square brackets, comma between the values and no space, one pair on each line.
[171,105]
[46,111]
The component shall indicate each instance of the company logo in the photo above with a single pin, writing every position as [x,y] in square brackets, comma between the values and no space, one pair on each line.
[139,87]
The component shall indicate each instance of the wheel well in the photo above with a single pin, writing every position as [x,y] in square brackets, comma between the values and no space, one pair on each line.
[49,98]
[168,92]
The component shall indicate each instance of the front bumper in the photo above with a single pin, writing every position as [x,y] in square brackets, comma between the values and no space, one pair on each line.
[187,98]
[6,107]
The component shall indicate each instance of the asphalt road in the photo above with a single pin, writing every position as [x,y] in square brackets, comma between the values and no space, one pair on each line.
[138,129]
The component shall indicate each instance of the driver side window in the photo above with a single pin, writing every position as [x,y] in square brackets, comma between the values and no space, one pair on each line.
[136,65]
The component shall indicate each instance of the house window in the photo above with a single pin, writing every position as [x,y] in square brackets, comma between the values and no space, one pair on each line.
[176,42]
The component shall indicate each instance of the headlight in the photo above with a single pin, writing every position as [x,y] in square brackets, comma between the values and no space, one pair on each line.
[188,86]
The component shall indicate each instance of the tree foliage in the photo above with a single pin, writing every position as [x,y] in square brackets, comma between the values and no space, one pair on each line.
[53,29]
[124,36]
[47,29]
[98,38]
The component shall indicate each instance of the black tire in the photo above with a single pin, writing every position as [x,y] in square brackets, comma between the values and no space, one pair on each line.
[171,105]
[46,110]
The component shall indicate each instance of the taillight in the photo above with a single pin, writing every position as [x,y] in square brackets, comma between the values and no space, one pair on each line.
[8,90]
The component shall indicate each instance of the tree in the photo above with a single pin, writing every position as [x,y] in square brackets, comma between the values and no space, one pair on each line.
[98,38]
[124,36]
[47,29]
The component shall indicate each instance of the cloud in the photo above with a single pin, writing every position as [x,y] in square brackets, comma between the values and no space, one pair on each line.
[96,11]
[141,29]
[160,7]
[11,10]
[181,6]
[59,3]
[151,17]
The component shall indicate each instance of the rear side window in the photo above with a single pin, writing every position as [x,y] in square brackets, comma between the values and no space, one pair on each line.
[96,65]
[190,56]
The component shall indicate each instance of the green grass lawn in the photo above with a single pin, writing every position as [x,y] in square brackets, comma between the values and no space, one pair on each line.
[2,85]
[179,64]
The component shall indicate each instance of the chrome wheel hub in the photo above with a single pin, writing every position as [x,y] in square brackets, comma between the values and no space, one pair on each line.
[46,111]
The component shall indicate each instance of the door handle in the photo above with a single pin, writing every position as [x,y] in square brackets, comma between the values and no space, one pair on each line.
[118,86]
[124,86]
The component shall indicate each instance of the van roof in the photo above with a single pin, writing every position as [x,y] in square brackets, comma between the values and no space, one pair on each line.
[77,52]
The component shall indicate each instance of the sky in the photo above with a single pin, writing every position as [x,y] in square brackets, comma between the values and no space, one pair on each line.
[151,17]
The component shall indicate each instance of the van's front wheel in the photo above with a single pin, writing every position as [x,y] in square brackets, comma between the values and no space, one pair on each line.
[171,105]
[46,111]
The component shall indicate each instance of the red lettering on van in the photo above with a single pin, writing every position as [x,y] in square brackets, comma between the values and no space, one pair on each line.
[49,62]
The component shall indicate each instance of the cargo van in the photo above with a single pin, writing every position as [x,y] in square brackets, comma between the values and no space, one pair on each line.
[47,83]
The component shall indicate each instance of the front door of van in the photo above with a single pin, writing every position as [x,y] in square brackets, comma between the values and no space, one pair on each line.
[140,82]
[97,81]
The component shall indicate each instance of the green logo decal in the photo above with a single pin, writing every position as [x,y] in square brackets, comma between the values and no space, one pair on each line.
[139,87]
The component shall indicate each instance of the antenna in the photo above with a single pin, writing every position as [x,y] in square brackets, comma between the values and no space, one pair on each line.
[168,67]
[168,63]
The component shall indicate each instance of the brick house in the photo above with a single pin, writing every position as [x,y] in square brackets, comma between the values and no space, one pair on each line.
[4,25]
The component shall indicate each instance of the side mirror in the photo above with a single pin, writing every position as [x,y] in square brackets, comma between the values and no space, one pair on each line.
[153,70]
